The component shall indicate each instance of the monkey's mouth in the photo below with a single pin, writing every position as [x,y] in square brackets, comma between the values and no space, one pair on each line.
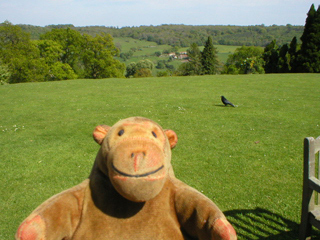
[137,175]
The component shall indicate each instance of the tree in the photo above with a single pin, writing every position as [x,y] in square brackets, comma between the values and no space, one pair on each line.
[271,57]
[157,53]
[58,55]
[143,72]
[293,51]
[11,35]
[185,69]
[126,56]
[161,64]
[20,55]
[309,54]
[89,57]
[98,57]
[131,69]
[71,42]
[5,74]
[52,52]
[163,74]
[143,68]
[209,59]
[147,64]
[195,63]
[13,41]
[24,68]
[60,71]
[245,60]
[284,59]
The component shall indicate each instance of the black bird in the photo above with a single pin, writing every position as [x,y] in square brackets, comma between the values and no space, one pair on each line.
[226,102]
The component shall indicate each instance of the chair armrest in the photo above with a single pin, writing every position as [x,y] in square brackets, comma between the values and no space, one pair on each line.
[316,213]
[314,184]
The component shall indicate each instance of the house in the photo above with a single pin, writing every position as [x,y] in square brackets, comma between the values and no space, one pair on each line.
[173,55]
[181,55]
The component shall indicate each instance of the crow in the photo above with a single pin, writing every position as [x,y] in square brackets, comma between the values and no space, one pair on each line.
[226,102]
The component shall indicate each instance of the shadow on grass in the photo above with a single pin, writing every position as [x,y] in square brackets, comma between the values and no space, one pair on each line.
[219,105]
[222,105]
[262,224]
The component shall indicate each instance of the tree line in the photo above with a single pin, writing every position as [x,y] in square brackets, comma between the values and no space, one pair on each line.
[185,35]
[290,57]
[58,55]
[294,57]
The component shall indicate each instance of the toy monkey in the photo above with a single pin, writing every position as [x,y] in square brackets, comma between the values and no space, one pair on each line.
[131,193]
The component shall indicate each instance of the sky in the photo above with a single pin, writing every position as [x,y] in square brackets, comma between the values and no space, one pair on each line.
[121,13]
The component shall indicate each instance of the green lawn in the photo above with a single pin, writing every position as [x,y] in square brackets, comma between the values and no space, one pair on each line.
[247,159]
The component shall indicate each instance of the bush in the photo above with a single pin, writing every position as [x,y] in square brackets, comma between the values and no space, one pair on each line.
[230,69]
[60,71]
[25,69]
[4,74]
[143,72]
[163,74]
[143,68]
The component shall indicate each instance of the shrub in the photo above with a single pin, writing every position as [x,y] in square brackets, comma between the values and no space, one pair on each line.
[4,74]
[162,74]
[60,71]
[143,72]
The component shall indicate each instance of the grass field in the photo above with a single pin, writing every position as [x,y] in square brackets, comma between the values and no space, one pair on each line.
[247,159]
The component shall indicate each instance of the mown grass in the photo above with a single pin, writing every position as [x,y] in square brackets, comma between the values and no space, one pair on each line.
[247,159]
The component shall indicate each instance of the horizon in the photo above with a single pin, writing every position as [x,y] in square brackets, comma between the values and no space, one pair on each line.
[165,24]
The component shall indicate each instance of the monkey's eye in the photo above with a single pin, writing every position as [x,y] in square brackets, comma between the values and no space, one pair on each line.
[154,134]
[121,132]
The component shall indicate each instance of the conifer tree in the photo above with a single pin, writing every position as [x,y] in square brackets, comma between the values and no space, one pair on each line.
[209,58]
[271,57]
[293,54]
[309,54]
[194,55]
[284,59]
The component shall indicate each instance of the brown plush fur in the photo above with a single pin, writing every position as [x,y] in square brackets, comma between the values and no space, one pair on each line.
[131,193]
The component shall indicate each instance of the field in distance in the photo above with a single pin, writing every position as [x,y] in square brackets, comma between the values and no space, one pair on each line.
[146,50]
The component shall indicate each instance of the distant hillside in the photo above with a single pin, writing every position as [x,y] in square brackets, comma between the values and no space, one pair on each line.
[184,35]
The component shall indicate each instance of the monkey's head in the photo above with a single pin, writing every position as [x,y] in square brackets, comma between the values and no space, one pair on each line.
[135,154]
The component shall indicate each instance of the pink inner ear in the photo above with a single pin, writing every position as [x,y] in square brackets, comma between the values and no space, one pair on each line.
[172,137]
[100,132]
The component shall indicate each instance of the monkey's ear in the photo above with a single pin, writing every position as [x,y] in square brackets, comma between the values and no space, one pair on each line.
[100,132]
[172,137]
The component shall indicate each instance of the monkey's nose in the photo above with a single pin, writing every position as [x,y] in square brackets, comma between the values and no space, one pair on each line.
[137,158]
[138,153]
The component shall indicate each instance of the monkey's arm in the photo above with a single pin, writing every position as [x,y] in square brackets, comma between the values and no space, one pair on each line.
[56,218]
[199,216]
